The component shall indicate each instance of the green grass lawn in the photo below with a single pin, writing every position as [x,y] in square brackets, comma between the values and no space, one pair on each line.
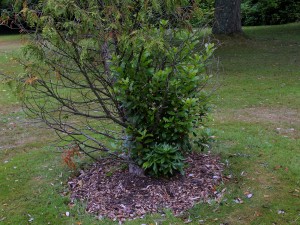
[256,122]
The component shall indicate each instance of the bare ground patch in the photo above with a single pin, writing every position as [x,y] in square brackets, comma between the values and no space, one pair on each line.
[284,121]
[10,109]
[10,45]
[273,115]
[18,131]
[20,134]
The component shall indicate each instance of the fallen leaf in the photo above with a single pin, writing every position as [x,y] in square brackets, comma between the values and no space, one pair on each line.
[238,200]
[80,183]
[71,204]
[257,214]
[31,80]
[277,167]
[188,221]
[249,195]
[30,218]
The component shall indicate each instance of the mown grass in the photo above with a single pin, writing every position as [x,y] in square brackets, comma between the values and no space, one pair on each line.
[256,121]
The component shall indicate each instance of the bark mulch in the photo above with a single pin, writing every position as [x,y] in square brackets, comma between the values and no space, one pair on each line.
[115,193]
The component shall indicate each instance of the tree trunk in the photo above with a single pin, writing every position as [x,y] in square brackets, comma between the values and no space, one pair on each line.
[227,17]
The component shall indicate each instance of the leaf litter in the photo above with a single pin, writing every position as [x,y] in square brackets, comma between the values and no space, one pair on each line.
[121,195]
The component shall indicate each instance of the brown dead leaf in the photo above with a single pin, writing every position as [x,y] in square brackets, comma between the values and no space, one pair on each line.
[277,167]
[80,183]
[31,80]
[257,214]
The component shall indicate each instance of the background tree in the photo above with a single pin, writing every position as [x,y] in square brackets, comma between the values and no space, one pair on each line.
[112,79]
[266,12]
[9,23]
[227,17]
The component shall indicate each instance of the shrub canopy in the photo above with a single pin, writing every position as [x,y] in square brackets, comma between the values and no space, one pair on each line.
[123,78]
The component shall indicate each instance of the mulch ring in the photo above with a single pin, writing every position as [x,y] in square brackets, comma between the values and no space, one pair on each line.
[119,195]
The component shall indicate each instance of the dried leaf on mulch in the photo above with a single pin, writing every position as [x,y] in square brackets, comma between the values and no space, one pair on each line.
[121,195]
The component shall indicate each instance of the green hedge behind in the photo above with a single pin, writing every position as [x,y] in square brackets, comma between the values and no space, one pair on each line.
[270,12]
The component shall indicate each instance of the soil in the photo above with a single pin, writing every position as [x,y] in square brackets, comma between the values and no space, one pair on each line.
[113,192]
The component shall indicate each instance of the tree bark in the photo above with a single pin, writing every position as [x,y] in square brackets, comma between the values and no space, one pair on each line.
[227,17]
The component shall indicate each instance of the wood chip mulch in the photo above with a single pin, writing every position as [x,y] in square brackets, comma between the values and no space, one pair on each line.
[120,195]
